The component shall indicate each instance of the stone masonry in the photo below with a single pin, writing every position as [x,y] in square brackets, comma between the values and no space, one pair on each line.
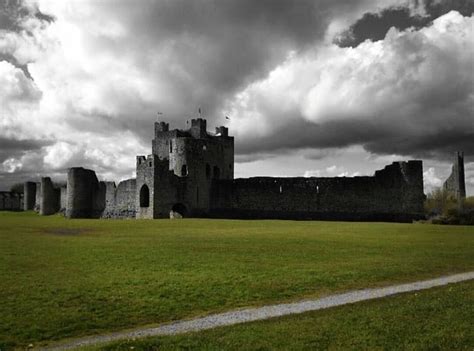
[456,183]
[190,173]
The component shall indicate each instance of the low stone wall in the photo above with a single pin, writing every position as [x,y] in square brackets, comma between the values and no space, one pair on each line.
[11,201]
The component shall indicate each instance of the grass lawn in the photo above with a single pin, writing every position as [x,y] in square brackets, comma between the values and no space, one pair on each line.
[63,278]
[436,319]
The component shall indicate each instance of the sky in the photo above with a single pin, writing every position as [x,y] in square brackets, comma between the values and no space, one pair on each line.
[311,88]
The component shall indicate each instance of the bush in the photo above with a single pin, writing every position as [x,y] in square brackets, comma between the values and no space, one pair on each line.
[17,188]
[443,208]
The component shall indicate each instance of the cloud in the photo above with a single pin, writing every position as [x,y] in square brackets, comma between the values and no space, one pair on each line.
[374,26]
[430,180]
[331,171]
[417,14]
[408,94]
[84,80]
[89,72]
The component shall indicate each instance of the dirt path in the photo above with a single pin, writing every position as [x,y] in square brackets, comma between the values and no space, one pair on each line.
[259,313]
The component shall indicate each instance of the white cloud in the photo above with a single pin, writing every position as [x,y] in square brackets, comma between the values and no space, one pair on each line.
[103,69]
[331,171]
[412,85]
[430,180]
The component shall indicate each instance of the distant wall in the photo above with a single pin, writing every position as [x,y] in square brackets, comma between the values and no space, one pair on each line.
[11,201]
[120,200]
[394,193]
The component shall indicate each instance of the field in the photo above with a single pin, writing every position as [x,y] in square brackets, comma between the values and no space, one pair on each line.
[64,278]
[437,319]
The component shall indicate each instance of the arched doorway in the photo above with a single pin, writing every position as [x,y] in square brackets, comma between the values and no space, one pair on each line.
[144,196]
[178,211]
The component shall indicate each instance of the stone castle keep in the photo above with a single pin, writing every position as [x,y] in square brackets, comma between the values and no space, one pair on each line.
[190,173]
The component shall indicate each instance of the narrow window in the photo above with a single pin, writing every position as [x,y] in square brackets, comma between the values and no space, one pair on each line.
[144,196]
[208,171]
[184,171]
[171,146]
[150,164]
[281,189]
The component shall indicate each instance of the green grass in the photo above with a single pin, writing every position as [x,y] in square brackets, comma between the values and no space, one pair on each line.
[64,278]
[437,319]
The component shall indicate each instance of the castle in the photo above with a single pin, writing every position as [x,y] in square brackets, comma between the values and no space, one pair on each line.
[190,173]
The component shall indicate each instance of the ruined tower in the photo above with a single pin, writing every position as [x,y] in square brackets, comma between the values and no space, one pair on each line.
[176,178]
[456,184]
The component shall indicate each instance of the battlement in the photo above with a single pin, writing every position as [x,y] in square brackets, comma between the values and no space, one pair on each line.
[146,161]
[222,131]
[198,128]
[161,127]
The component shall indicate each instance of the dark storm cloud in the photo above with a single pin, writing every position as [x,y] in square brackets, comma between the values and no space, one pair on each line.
[436,8]
[375,25]
[12,12]
[304,134]
[106,69]
[215,48]
[409,94]
[374,137]
[14,147]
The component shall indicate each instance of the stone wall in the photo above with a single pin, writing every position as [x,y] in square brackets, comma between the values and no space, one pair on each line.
[63,198]
[120,200]
[11,201]
[456,184]
[85,196]
[38,197]
[394,193]
[29,191]
[194,157]
[50,197]
[145,186]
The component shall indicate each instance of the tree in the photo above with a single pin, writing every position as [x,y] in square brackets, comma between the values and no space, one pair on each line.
[17,188]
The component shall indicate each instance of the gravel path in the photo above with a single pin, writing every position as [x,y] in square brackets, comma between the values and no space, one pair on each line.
[259,313]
